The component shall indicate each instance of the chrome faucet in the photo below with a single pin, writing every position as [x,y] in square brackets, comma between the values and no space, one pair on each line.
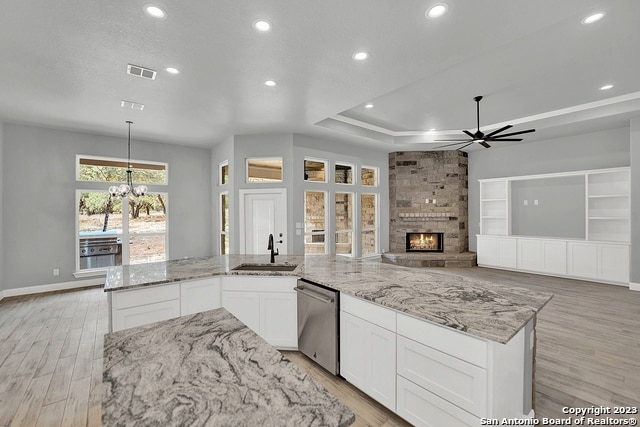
[270,247]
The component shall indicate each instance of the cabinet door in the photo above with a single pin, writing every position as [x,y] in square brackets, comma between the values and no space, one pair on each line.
[352,349]
[507,253]
[613,263]
[582,260]
[245,306]
[143,314]
[529,254]
[279,319]
[380,365]
[554,257]
[200,295]
[487,251]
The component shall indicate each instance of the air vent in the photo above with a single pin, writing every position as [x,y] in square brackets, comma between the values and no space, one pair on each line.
[136,70]
[131,105]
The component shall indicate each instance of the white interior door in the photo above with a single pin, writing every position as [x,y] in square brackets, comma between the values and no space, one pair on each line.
[263,212]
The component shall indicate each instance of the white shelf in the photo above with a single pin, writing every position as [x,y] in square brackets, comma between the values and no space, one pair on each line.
[493,200]
[606,196]
[493,217]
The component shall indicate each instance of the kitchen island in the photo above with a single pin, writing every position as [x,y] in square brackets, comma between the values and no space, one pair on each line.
[209,369]
[433,346]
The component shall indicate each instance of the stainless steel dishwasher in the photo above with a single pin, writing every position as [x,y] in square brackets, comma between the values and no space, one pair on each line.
[318,324]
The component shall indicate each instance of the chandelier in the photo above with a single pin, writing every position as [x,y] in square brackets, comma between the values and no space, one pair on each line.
[123,190]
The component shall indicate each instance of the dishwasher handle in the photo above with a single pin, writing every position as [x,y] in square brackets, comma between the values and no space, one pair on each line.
[321,298]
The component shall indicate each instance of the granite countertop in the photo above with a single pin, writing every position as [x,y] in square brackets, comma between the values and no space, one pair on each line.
[209,369]
[495,311]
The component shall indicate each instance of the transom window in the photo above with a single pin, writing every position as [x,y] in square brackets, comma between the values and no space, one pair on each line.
[264,170]
[99,169]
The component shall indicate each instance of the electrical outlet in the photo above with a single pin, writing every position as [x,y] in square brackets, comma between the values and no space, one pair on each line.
[535,202]
[56,271]
[525,203]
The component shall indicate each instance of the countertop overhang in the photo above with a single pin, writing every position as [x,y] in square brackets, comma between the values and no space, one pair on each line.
[494,311]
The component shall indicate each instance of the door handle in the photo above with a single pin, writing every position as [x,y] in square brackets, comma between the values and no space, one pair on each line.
[321,298]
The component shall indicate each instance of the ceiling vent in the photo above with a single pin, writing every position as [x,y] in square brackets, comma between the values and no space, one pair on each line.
[136,70]
[130,105]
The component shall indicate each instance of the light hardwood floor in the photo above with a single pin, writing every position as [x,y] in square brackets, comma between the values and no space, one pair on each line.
[51,353]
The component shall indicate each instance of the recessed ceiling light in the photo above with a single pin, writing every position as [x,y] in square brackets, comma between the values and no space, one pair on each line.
[172,70]
[436,11]
[593,18]
[270,83]
[368,106]
[606,87]
[155,11]
[262,26]
[360,56]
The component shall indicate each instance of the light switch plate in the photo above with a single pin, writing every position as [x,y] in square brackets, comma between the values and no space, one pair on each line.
[535,202]
[525,203]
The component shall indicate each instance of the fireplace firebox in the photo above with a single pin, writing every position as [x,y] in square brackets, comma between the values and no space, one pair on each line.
[425,242]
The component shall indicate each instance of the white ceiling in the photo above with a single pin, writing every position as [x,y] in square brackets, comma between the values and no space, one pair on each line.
[64,65]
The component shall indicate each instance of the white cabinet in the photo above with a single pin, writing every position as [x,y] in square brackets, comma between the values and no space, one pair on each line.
[423,408]
[582,259]
[368,350]
[267,305]
[199,295]
[497,251]
[245,306]
[278,319]
[542,255]
[140,306]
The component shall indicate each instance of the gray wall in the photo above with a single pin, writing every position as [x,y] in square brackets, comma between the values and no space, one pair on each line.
[594,150]
[2,168]
[560,198]
[635,202]
[39,164]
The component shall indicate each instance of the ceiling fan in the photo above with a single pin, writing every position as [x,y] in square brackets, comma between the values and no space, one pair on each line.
[480,137]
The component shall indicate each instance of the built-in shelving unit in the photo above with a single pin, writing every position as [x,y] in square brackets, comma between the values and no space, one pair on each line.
[608,209]
[600,252]
[494,208]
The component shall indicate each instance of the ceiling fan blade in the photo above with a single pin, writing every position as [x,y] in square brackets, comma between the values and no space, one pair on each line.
[460,148]
[484,144]
[498,131]
[516,133]
[449,145]
[451,140]
[506,139]
[468,133]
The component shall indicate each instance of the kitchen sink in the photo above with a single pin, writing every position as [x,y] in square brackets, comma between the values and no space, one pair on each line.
[265,267]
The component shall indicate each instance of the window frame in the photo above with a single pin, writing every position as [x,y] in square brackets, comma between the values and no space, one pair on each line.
[326,169]
[246,170]
[222,231]
[325,232]
[344,231]
[375,228]
[353,174]
[221,175]
[120,160]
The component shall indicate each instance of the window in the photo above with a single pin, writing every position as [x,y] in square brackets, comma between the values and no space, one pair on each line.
[343,173]
[315,222]
[369,224]
[315,170]
[264,170]
[369,176]
[344,223]
[224,223]
[224,173]
[99,169]
[133,230]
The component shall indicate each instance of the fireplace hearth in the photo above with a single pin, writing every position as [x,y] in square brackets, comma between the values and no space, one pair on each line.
[425,242]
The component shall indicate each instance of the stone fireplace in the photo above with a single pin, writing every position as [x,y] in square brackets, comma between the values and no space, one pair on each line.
[428,193]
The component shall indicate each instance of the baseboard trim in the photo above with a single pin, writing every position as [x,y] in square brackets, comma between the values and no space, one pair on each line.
[634,286]
[28,290]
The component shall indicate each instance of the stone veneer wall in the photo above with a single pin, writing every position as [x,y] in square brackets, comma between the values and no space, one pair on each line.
[414,177]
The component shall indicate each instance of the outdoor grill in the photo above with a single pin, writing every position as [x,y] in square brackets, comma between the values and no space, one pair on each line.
[100,252]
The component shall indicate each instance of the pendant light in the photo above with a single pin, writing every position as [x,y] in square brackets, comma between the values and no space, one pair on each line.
[123,190]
